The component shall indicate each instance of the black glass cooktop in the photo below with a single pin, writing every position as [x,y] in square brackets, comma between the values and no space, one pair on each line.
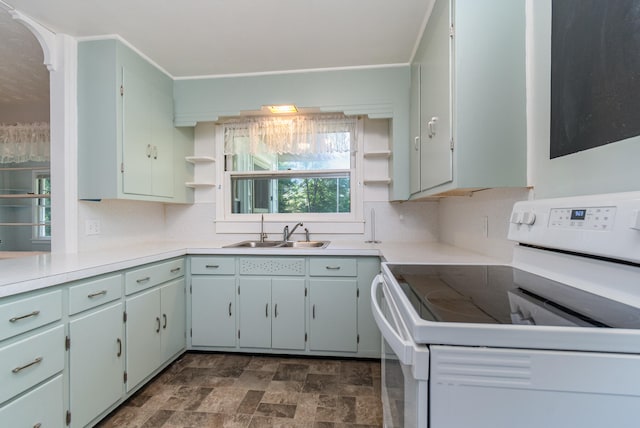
[505,295]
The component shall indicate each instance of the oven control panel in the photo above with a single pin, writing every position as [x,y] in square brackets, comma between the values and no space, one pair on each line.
[606,225]
[591,218]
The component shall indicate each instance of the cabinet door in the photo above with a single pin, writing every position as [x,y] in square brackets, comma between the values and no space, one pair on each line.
[287,325]
[255,312]
[173,317]
[162,156]
[96,363]
[213,311]
[414,124]
[143,328]
[435,124]
[333,325]
[136,133]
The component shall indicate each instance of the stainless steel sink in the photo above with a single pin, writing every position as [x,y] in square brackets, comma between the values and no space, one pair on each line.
[279,244]
[306,244]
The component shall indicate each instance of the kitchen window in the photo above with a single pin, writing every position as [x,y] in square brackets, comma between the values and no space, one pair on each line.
[300,166]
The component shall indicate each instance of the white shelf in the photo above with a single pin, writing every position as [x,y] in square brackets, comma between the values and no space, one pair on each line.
[384,154]
[377,181]
[200,159]
[199,185]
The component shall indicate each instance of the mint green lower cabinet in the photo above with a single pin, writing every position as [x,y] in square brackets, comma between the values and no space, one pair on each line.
[272,313]
[369,340]
[288,320]
[143,328]
[96,363]
[41,407]
[213,311]
[333,319]
[255,312]
[155,329]
[173,308]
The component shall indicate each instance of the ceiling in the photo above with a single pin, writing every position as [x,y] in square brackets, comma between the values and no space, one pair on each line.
[24,80]
[223,37]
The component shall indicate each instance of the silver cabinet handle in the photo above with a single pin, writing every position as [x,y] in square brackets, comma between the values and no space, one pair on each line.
[229,308]
[32,314]
[266,310]
[149,151]
[155,152]
[158,321]
[332,267]
[32,363]
[119,342]
[164,317]
[175,270]
[212,266]
[97,293]
[416,143]
[145,279]
[314,311]
[275,310]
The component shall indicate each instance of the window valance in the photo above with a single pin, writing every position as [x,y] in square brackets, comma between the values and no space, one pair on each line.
[304,134]
[25,142]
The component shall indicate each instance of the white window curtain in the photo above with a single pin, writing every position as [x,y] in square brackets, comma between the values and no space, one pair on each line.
[25,142]
[298,135]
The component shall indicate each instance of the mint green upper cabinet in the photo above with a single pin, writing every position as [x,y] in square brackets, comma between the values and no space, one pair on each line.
[125,126]
[472,105]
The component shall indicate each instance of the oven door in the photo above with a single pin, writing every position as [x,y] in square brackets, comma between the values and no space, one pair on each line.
[405,398]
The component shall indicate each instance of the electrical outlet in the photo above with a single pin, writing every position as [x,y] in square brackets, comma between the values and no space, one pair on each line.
[92,227]
[485,226]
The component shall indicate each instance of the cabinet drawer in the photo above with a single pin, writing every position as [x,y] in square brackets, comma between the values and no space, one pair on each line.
[94,293]
[30,361]
[213,265]
[149,276]
[32,312]
[325,266]
[41,407]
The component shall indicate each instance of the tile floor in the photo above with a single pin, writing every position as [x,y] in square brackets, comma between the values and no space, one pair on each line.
[235,390]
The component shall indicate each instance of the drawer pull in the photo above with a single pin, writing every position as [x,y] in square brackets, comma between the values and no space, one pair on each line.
[212,266]
[145,279]
[32,363]
[158,321]
[229,308]
[164,317]
[32,314]
[38,425]
[97,293]
[119,342]
[176,270]
[332,267]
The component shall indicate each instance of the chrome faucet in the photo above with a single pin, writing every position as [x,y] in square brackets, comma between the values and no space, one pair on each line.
[263,235]
[286,234]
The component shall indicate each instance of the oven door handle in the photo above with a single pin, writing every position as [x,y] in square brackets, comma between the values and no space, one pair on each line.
[401,347]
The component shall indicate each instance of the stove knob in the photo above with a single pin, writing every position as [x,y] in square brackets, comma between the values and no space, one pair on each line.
[635,222]
[516,217]
[529,218]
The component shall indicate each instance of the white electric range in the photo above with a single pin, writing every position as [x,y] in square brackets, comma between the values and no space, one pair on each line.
[552,340]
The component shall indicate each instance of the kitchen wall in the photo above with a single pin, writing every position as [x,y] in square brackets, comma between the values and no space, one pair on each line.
[605,169]
[129,222]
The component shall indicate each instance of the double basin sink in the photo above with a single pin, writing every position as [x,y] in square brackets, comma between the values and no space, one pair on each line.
[279,244]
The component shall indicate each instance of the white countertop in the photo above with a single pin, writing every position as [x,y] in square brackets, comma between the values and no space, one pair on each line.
[19,275]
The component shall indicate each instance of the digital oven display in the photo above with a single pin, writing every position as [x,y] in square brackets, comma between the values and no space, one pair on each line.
[578,214]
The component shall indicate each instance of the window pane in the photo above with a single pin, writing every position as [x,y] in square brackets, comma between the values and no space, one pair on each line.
[291,195]
[284,162]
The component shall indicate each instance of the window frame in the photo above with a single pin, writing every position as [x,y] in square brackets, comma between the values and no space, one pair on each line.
[352,222]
